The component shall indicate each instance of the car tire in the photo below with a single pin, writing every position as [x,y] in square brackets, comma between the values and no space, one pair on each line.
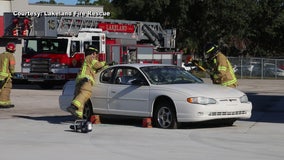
[165,116]
[88,110]
[229,122]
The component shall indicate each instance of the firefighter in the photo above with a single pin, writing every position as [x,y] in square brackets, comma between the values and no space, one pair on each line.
[219,66]
[7,68]
[85,81]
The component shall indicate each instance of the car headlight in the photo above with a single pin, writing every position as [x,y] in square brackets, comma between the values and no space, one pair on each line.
[201,100]
[244,99]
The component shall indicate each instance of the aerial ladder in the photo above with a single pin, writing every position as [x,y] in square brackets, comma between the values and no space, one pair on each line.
[123,29]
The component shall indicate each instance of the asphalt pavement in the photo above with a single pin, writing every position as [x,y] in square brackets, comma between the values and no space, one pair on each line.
[36,129]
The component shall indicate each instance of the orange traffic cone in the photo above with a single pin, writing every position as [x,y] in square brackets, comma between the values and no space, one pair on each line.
[147,122]
[95,119]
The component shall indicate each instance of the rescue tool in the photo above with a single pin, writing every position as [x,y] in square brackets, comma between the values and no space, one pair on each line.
[202,68]
[82,125]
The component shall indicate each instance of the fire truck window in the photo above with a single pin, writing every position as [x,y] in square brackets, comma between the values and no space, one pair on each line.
[75,47]
[96,42]
[30,47]
[86,45]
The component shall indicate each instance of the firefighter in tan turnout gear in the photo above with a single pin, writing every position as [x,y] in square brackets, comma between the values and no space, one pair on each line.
[84,81]
[220,68]
[7,68]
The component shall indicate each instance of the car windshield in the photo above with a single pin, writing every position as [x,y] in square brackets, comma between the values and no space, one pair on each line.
[169,75]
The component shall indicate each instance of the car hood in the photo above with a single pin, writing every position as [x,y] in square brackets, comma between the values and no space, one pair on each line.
[205,90]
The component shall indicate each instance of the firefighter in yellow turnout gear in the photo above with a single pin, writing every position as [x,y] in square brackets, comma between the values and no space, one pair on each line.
[7,68]
[84,81]
[220,67]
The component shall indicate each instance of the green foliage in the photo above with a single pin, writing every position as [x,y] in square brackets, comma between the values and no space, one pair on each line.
[241,27]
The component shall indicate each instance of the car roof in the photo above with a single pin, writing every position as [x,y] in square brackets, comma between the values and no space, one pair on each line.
[138,65]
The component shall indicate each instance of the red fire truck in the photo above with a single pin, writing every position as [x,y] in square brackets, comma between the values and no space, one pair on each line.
[53,47]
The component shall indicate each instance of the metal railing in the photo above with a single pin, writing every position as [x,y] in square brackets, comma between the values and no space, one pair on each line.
[262,68]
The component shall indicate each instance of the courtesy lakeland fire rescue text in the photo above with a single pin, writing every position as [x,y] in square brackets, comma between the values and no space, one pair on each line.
[53,47]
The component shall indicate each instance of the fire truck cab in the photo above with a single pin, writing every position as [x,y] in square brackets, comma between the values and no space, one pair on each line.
[52,61]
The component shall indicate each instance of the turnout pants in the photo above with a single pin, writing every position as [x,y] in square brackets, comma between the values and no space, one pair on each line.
[83,92]
[5,93]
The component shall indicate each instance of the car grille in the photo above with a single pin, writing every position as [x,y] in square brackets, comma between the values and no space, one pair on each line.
[227,113]
[228,100]
[40,65]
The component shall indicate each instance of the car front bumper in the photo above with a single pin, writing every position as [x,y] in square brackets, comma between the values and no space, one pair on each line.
[199,113]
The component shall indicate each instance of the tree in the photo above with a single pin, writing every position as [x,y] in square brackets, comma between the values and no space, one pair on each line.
[83,2]
[108,7]
[46,2]
[240,27]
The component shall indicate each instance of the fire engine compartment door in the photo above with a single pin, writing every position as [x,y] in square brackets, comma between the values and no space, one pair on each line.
[115,54]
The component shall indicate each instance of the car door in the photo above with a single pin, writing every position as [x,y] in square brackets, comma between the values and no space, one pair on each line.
[101,87]
[126,98]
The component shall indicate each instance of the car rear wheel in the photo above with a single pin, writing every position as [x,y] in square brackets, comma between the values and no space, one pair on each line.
[165,116]
[88,110]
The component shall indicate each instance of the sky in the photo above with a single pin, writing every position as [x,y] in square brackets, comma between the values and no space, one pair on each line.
[67,2]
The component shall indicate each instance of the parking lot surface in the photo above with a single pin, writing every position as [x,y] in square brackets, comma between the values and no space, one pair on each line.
[37,129]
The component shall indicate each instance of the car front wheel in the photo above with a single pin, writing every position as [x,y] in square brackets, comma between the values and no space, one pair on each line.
[165,117]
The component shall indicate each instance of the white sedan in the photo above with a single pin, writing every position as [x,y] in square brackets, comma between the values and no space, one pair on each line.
[166,93]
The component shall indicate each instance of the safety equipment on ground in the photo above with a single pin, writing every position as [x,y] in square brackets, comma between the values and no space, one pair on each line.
[11,47]
[82,125]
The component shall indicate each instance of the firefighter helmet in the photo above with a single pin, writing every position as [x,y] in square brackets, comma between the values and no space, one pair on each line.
[11,47]
[90,50]
[210,50]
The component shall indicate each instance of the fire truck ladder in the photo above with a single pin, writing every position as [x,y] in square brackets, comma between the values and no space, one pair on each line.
[143,31]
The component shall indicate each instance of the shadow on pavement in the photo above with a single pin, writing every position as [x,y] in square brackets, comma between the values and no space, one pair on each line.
[35,87]
[267,108]
[119,120]
[50,119]
[70,119]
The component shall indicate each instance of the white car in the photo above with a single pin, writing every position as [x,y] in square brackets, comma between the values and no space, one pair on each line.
[166,93]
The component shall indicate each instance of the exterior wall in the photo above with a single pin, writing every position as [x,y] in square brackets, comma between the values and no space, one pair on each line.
[5,6]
